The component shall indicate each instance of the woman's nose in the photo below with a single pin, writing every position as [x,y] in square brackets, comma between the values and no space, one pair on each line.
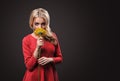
[39,26]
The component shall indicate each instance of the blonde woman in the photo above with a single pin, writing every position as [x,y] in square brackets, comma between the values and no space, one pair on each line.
[41,68]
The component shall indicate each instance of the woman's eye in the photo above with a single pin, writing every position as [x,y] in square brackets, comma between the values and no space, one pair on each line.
[36,24]
[43,24]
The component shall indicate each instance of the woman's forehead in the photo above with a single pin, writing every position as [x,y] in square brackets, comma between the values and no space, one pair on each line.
[39,19]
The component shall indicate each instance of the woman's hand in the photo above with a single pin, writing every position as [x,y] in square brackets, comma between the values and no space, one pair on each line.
[44,60]
[40,42]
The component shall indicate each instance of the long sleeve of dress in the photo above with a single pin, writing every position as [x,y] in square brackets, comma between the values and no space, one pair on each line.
[58,55]
[29,60]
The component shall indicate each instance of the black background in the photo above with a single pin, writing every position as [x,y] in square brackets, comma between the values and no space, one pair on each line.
[88,32]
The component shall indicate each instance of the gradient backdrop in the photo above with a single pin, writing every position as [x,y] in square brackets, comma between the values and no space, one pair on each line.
[87,31]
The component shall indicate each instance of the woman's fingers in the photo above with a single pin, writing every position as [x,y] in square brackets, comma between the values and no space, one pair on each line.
[43,60]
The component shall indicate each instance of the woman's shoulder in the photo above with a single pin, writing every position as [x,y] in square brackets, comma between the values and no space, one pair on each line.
[54,34]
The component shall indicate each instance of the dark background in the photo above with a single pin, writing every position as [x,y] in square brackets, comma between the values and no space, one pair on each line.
[88,32]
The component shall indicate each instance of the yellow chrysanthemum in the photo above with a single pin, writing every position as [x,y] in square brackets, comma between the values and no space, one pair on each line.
[40,32]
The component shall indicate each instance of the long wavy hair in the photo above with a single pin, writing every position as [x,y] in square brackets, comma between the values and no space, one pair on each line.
[40,12]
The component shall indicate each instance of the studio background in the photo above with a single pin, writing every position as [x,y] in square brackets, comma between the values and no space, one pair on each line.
[88,32]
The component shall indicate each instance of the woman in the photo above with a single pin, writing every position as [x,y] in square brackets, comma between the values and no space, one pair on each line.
[41,53]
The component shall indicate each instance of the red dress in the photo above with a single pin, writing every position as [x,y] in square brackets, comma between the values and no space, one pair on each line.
[48,71]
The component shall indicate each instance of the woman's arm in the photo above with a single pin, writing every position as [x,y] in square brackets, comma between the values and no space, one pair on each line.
[58,54]
[29,59]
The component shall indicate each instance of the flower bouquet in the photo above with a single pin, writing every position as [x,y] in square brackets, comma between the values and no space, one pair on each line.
[40,32]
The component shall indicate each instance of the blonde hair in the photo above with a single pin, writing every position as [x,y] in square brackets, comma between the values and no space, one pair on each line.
[40,12]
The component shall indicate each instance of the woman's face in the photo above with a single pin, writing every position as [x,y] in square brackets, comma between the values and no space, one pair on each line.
[39,22]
